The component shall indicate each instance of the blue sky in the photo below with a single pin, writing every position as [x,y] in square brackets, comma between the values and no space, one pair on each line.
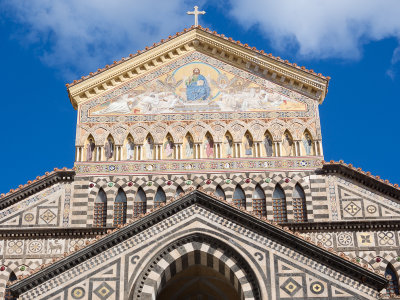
[45,44]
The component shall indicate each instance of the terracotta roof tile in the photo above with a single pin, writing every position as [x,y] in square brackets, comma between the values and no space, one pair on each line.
[360,171]
[170,37]
[3,195]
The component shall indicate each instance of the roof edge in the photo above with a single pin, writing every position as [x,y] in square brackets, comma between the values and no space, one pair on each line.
[36,185]
[365,178]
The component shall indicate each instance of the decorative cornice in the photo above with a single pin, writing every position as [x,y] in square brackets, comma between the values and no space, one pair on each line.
[36,185]
[344,225]
[264,65]
[337,261]
[364,178]
[30,233]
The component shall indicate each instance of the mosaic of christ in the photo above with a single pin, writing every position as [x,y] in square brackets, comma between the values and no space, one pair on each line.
[197,86]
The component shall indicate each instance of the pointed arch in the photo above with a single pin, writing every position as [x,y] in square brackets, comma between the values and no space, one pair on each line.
[239,197]
[129,148]
[279,204]
[208,145]
[179,190]
[120,208]
[7,294]
[109,148]
[299,204]
[248,145]
[159,197]
[268,143]
[220,192]
[188,146]
[393,284]
[140,202]
[100,209]
[168,147]
[228,146]
[288,144]
[90,149]
[259,202]
[307,144]
[148,148]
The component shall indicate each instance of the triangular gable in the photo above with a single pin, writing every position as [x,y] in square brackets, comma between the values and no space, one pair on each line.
[249,225]
[257,62]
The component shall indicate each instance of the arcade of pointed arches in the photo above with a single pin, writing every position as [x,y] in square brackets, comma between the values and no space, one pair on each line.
[257,203]
[148,149]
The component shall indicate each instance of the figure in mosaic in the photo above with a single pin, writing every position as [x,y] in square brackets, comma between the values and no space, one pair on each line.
[287,144]
[148,147]
[197,87]
[189,147]
[209,146]
[90,150]
[121,105]
[129,148]
[169,147]
[268,146]
[248,145]
[109,148]
[228,146]
[307,142]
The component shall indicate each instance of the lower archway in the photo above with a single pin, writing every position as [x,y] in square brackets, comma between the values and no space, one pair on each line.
[216,263]
[198,283]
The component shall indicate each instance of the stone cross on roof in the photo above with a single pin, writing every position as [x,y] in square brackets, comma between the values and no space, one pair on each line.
[196,14]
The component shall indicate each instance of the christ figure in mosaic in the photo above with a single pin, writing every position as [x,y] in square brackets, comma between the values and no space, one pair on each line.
[197,87]
[228,146]
[209,146]
[287,144]
[149,146]
[189,147]
[90,150]
[129,148]
[268,146]
[109,148]
[169,147]
[307,142]
[248,145]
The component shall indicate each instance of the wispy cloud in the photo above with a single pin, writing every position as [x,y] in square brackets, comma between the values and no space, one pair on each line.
[80,36]
[322,29]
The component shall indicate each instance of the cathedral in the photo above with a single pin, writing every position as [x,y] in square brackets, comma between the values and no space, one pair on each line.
[199,174]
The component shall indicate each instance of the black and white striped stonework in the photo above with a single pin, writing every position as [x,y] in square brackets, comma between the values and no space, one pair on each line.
[181,256]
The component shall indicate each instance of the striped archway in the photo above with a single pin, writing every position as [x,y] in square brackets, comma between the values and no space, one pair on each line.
[196,249]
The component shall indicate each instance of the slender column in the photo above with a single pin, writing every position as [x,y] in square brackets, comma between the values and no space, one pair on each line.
[76,153]
[320,148]
[200,154]
[97,153]
[140,152]
[156,151]
[180,151]
[256,149]
[280,148]
[136,152]
[276,148]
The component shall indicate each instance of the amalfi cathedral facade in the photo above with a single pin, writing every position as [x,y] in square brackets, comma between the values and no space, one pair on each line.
[199,174]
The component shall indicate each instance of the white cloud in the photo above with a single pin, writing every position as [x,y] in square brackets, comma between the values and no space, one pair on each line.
[81,36]
[321,28]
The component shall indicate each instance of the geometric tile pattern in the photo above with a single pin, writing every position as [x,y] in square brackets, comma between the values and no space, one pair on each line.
[104,291]
[220,224]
